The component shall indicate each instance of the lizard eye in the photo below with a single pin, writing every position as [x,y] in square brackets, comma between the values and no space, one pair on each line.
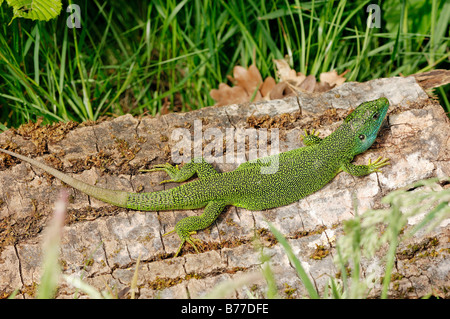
[375,116]
[362,137]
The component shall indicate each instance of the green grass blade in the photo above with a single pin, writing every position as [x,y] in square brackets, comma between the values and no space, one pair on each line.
[295,262]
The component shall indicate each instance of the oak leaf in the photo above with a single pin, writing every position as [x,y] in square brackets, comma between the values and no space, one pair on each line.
[249,85]
[286,74]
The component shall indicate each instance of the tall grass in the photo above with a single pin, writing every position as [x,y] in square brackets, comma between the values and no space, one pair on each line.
[135,57]
[425,199]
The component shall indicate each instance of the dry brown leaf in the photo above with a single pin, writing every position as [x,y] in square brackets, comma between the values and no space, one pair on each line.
[249,85]
[309,84]
[299,81]
[226,95]
[267,86]
[280,91]
[322,87]
[249,79]
[285,73]
[332,78]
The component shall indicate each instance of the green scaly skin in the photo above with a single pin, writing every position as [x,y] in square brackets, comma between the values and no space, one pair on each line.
[300,172]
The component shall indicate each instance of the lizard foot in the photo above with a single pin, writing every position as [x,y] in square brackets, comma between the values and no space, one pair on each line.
[310,138]
[377,164]
[185,238]
[172,171]
[307,133]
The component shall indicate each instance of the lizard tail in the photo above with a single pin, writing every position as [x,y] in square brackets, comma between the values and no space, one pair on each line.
[117,198]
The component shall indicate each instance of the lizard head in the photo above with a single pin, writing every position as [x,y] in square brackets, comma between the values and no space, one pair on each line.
[364,123]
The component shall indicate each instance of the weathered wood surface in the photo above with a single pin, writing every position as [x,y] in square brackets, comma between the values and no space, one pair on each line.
[101,243]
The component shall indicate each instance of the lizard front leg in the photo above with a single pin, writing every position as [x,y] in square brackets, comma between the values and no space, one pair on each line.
[361,170]
[310,138]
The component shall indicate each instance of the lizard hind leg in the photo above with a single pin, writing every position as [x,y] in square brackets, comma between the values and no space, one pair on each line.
[196,166]
[190,225]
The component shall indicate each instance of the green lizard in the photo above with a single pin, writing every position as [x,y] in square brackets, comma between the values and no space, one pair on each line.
[300,172]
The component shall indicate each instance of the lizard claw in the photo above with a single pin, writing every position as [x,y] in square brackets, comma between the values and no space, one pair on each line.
[378,163]
[185,238]
[161,167]
[307,133]
[171,170]
[310,137]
